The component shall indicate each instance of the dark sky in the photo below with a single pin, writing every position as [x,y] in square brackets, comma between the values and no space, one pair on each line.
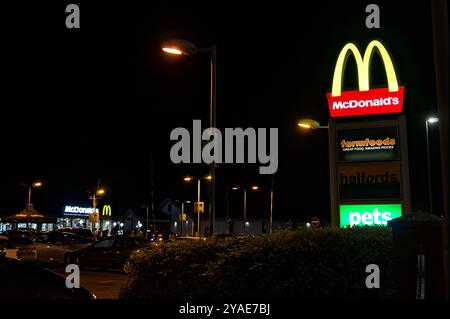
[101,100]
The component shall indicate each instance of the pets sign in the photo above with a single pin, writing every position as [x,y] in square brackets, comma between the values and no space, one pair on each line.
[368,214]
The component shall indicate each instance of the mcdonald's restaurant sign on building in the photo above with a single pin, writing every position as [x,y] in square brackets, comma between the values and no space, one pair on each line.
[106,211]
[364,101]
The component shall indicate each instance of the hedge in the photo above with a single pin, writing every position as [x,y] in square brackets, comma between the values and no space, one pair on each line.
[306,263]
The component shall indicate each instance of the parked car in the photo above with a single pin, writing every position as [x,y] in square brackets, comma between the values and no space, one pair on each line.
[53,246]
[109,253]
[160,236]
[30,233]
[26,247]
[29,281]
[82,232]
[9,250]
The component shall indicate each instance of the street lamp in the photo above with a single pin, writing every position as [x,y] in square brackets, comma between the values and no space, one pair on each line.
[198,179]
[182,47]
[146,220]
[36,184]
[253,188]
[182,212]
[310,124]
[32,185]
[95,198]
[428,121]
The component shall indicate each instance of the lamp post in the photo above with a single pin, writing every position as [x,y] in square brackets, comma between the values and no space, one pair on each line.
[271,205]
[253,188]
[95,199]
[183,47]
[146,220]
[182,212]
[32,185]
[430,120]
[309,124]
[198,179]
[29,204]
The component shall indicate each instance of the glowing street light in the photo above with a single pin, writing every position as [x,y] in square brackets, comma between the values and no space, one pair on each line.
[37,184]
[310,124]
[198,179]
[180,47]
[428,121]
[253,188]
[95,197]
[30,186]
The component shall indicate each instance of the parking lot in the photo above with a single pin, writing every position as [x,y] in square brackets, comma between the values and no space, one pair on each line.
[104,284]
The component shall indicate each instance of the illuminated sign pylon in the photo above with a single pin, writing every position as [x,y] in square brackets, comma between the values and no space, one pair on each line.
[364,101]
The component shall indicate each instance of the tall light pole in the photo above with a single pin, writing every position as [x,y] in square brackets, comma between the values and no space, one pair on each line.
[95,199]
[431,120]
[146,220]
[188,179]
[183,47]
[182,212]
[29,204]
[254,188]
[32,185]
[309,124]
[271,205]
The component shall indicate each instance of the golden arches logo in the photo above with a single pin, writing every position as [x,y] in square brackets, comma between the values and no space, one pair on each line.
[364,101]
[363,65]
[106,210]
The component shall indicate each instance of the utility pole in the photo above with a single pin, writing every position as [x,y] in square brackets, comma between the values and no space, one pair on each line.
[271,206]
[146,222]
[94,207]
[212,124]
[439,21]
[152,201]
[245,209]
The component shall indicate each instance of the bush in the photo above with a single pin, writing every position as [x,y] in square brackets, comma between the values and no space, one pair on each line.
[321,263]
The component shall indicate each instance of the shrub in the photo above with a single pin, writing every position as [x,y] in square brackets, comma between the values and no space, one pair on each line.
[320,263]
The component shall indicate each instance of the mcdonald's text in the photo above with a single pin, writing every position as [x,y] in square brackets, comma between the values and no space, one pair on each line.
[360,103]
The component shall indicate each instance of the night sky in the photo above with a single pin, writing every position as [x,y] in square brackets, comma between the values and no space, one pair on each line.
[100,101]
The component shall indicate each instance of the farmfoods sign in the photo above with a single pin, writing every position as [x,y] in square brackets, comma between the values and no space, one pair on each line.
[364,101]
[368,144]
[368,214]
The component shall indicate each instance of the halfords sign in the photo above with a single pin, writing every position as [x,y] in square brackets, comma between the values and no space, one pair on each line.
[368,215]
[78,211]
[374,181]
[365,101]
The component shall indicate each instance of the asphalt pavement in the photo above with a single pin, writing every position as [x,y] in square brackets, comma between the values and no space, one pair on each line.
[104,284]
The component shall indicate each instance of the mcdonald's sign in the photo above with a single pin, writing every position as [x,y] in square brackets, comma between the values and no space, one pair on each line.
[106,210]
[365,101]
